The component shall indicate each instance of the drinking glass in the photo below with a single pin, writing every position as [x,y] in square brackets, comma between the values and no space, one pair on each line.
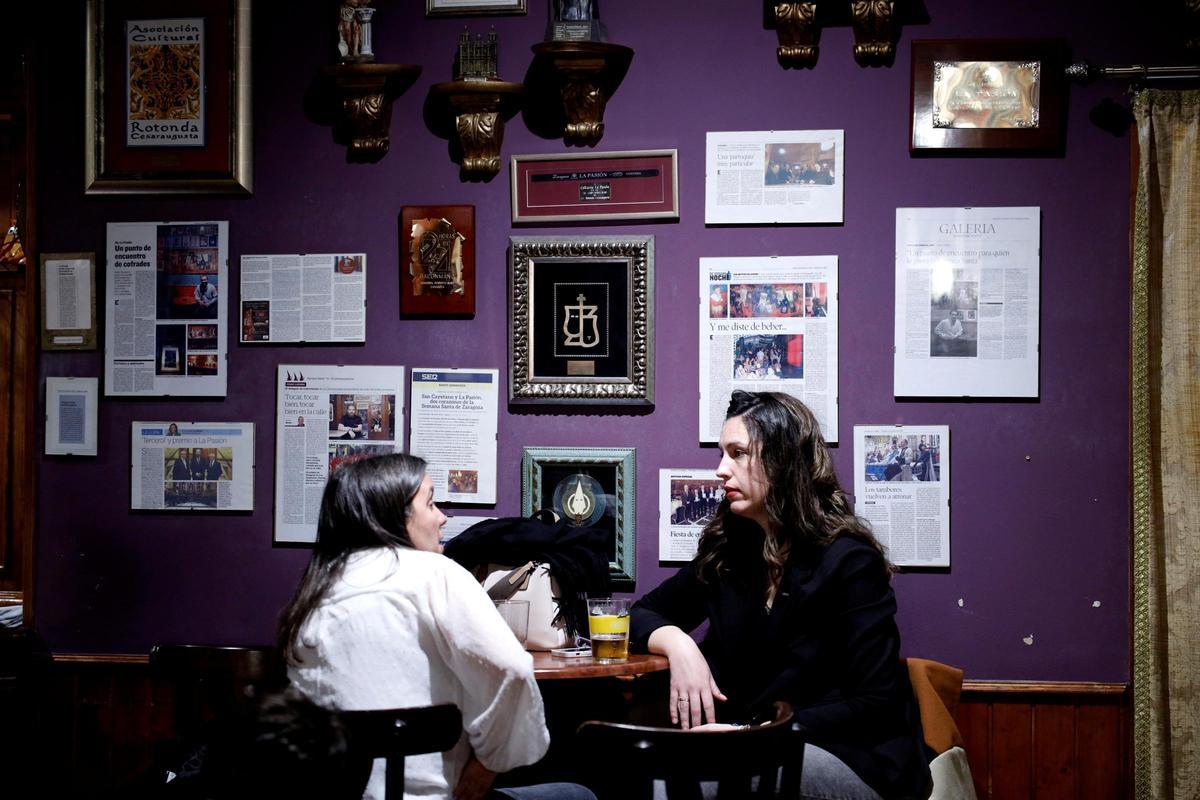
[516,616]
[608,624]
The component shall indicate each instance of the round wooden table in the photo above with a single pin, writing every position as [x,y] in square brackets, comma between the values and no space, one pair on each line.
[547,667]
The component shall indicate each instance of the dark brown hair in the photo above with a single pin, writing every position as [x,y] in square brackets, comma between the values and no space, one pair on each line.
[365,505]
[805,504]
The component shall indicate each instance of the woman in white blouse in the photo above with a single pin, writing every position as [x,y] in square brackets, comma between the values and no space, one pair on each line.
[382,620]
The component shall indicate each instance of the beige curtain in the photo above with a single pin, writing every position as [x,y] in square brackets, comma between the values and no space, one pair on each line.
[1166,446]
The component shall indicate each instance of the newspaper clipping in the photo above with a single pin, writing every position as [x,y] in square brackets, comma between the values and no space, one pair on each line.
[773,176]
[967,302]
[687,501]
[304,298]
[193,466]
[71,416]
[768,325]
[454,420]
[328,415]
[165,294]
[164,70]
[902,487]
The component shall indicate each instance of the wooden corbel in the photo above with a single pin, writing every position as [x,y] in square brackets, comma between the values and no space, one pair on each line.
[875,32]
[795,24]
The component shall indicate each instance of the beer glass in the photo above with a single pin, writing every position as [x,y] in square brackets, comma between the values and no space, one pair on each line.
[608,625]
[516,615]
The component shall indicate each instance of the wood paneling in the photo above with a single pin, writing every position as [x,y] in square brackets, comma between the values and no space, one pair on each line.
[97,722]
[1047,741]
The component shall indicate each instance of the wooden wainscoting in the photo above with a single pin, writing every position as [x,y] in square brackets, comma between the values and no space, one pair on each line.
[1047,741]
[1044,741]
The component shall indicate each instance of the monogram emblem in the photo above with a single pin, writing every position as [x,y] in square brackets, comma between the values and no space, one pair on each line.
[578,317]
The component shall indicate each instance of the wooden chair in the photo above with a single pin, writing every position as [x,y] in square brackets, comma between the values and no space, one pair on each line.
[634,756]
[397,733]
[937,688]
[194,685]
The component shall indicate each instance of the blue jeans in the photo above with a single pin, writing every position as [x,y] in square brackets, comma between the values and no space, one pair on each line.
[544,791]
[824,777]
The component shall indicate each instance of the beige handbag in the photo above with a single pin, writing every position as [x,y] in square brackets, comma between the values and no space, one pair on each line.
[532,583]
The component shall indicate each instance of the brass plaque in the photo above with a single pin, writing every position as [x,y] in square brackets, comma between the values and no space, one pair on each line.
[576,368]
[986,94]
[436,262]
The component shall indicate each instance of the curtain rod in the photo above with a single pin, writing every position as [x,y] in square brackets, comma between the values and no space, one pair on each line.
[1083,72]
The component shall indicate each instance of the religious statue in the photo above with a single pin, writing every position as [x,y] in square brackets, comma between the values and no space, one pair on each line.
[354,31]
[575,21]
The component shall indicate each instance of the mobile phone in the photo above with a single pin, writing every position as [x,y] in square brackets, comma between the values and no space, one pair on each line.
[571,652]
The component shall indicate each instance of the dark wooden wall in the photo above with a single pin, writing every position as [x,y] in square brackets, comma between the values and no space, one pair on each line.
[95,725]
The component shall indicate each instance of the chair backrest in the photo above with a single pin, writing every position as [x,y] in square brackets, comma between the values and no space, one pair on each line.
[396,733]
[937,687]
[194,685]
[639,754]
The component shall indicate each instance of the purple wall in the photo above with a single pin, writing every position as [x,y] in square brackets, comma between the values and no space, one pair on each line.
[1034,540]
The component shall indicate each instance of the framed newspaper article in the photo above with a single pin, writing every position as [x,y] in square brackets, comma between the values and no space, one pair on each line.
[902,487]
[967,302]
[192,466]
[581,320]
[773,177]
[167,100]
[987,95]
[591,487]
[71,414]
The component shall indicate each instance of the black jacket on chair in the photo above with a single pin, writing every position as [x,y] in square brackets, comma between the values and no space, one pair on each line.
[829,646]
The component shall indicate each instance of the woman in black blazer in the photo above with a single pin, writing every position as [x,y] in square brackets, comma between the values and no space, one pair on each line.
[800,608]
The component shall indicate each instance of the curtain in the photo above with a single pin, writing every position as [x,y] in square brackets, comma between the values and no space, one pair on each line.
[1166,445]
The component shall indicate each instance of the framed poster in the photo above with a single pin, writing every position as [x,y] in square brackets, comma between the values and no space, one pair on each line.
[573,187]
[437,261]
[588,486]
[581,320]
[71,414]
[68,301]
[167,98]
[987,95]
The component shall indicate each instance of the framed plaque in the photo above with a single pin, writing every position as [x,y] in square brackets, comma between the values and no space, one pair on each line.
[68,301]
[988,95]
[167,97]
[627,185]
[581,320]
[437,261]
[591,487]
[473,8]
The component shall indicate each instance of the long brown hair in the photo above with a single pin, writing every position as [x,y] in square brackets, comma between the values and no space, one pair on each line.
[805,504]
[365,505]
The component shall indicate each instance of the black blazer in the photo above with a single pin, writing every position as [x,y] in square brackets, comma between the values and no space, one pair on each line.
[829,646]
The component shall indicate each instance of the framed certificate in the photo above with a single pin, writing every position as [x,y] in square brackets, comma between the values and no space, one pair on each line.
[987,95]
[581,322]
[68,301]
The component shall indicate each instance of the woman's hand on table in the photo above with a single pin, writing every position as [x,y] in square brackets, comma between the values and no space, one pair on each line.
[475,781]
[693,690]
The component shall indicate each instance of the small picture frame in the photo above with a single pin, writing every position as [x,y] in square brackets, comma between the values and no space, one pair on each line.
[437,261]
[68,301]
[590,487]
[988,95]
[581,320]
[473,8]
[578,187]
[71,414]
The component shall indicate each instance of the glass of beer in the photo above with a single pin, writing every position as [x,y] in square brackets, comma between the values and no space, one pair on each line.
[608,625]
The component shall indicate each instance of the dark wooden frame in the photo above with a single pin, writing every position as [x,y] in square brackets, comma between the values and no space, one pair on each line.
[463,220]
[1047,137]
[171,170]
[88,335]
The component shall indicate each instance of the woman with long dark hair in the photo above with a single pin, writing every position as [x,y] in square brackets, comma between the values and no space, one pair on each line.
[797,594]
[382,620]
